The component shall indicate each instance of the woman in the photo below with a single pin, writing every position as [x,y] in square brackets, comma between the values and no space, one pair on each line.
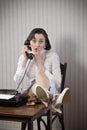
[43,74]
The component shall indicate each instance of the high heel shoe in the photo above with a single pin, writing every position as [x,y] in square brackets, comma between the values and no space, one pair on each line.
[63,97]
[42,95]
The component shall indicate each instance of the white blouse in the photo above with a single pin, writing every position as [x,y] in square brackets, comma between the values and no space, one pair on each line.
[52,71]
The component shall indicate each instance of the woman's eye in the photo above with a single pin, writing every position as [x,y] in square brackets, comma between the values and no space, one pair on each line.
[33,40]
[41,41]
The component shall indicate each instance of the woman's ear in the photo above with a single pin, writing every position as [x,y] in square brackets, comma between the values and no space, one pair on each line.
[45,45]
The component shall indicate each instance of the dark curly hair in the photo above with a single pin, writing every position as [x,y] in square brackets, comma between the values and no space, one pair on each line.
[32,35]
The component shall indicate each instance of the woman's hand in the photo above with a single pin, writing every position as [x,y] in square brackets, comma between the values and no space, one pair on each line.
[40,61]
[24,49]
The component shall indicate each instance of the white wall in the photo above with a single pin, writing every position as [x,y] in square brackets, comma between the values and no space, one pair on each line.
[65,21]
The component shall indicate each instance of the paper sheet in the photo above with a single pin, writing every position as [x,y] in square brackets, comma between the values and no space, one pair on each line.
[6,96]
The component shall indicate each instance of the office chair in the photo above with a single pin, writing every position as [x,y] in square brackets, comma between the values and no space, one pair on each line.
[56,114]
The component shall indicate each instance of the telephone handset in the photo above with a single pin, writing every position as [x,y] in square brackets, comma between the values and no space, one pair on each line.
[29,55]
[27,43]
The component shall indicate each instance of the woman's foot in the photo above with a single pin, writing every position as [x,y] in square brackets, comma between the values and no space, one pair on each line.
[63,97]
[42,95]
[60,99]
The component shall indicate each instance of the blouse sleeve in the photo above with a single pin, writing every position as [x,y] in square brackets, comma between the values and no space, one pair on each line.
[55,73]
[20,70]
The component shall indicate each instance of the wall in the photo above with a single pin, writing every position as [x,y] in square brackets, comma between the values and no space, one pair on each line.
[65,21]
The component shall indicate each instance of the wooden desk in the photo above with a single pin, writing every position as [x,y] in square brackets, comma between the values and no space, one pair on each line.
[26,115]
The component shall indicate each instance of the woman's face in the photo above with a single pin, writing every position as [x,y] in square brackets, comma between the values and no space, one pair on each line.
[37,43]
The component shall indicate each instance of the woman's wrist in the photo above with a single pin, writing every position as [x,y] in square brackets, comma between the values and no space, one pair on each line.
[42,69]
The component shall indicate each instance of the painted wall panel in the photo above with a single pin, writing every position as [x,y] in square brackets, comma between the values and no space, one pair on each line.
[65,21]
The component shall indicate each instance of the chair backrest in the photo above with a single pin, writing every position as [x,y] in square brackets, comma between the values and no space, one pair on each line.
[63,72]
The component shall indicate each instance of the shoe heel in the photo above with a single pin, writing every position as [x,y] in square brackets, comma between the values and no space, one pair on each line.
[58,109]
[45,103]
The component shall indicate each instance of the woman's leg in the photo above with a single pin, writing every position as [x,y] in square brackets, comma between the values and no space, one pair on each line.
[31,93]
[42,81]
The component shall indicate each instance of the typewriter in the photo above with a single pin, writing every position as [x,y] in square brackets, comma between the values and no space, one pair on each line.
[13,98]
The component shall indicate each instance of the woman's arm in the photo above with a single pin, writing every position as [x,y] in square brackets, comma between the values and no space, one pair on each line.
[21,66]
